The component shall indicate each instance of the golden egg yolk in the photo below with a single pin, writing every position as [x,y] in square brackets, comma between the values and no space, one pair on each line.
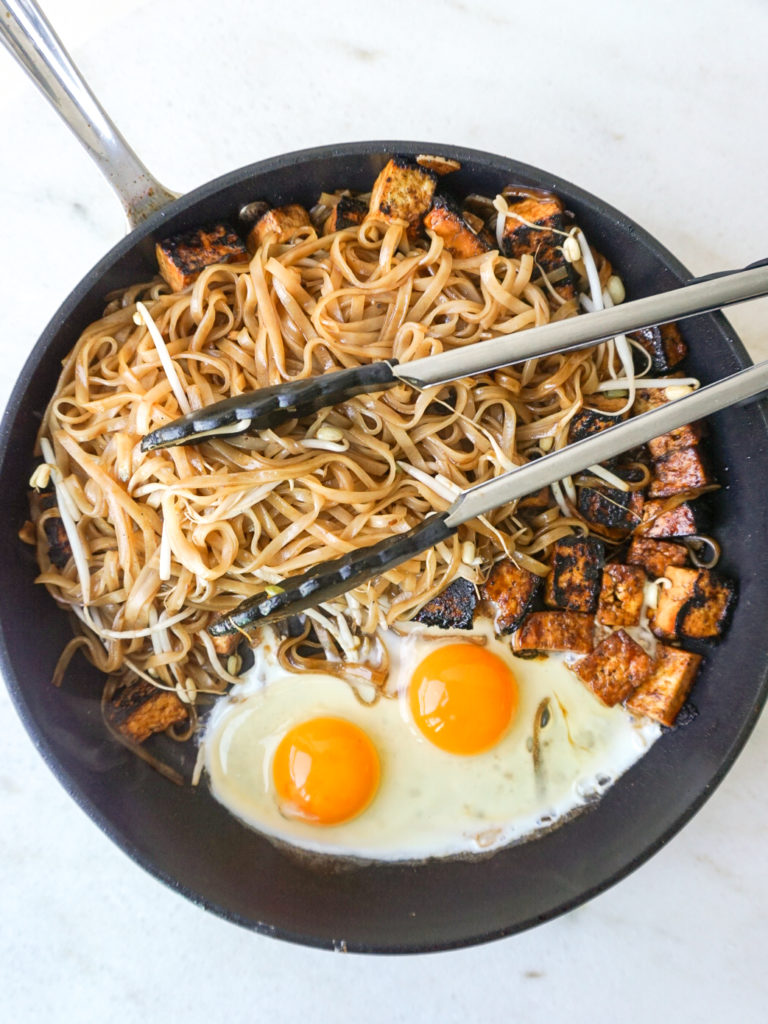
[325,771]
[463,698]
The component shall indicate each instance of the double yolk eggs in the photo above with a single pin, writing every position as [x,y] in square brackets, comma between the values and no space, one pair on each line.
[450,761]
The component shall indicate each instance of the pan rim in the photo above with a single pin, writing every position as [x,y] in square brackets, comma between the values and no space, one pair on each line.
[15,403]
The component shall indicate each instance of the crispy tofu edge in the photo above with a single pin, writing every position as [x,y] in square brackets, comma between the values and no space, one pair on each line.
[182,257]
[615,668]
[403,191]
[140,710]
[656,555]
[621,595]
[446,221]
[575,577]
[664,692]
[512,591]
[696,606]
[281,221]
[453,608]
[555,631]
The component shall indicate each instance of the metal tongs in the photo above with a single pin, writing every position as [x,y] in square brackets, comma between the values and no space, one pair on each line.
[268,407]
[277,404]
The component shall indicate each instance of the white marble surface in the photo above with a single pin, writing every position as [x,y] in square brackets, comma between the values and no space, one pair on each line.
[656,107]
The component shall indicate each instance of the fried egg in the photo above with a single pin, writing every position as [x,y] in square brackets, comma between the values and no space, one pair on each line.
[470,749]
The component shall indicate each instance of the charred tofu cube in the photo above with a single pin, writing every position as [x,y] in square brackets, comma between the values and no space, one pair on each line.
[587,422]
[458,237]
[555,631]
[681,437]
[511,590]
[59,550]
[534,226]
[695,606]
[519,238]
[181,258]
[621,595]
[573,583]
[347,213]
[453,608]
[665,346]
[403,192]
[683,469]
[616,667]
[612,508]
[139,710]
[655,555]
[664,691]
[281,221]
[679,521]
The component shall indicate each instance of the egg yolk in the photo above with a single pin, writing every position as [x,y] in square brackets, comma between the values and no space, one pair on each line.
[325,771]
[463,698]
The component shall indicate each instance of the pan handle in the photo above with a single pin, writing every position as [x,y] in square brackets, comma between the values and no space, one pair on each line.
[27,34]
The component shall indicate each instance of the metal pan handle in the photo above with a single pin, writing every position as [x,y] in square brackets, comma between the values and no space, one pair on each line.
[26,33]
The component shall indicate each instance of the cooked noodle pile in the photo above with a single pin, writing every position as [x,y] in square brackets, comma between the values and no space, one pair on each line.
[168,539]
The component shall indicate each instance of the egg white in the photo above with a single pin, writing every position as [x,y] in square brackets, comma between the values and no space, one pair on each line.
[430,803]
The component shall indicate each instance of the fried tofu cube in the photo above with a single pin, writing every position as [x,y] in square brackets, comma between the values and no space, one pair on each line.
[281,221]
[681,437]
[181,258]
[347,213]
[651,398]
[587,422]
[695,606]
[439,164]
[453,608]
[403,192]
[555,631]
[458,237]
[683,469]
[664,344]
[656,555]
[616,667]
[139,710]
[534,226]
[612,508]
[621,595]
[680,521]
[59,550]
[664,691]
[573,583]
[512,591]
[543,210]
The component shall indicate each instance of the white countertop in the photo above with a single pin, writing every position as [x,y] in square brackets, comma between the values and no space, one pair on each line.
[655,106]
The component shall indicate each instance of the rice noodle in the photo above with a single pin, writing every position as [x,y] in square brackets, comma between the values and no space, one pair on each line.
[167,540]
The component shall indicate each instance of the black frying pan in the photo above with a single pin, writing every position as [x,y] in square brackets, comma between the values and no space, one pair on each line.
[184,837]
